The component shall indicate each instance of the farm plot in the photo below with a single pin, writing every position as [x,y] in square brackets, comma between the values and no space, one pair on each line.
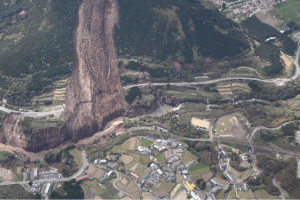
[229,125]
[200,123]
[199,168]
[126,159]
[282,6]
[163,186]
[207,176]
[161,156]
[262,194]
[95,172]
[146,142]
[5,175]
[295,3]
[285,11]
[77,156]
[144,159]
[188,157]
[246,194]
[289,15]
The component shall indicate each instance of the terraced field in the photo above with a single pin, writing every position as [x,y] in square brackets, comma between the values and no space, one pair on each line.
[290,10]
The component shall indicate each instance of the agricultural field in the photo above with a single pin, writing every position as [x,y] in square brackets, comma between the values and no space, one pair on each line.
[286,11]
[233,88]
[163,187]
[77,156]
[146,142]
[220,194]
[95,172]
[199,168]
[241,72]
[262,194]
[229,125]
[160,156]
[200,123]
[281,142]
[246,194]
[188,157]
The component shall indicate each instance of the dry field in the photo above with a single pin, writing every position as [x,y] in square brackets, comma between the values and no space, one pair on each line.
[147,195]
[227,85]
[268,19]
[229,125]
[167,154]
[126,159]
[6,175]
[98,174]
[132,143]
[224,89]
[179,178]
[288,61]
[91,170]
[199,122]
[226,93]
[207,176]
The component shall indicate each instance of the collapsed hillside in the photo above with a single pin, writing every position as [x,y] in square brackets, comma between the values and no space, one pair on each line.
[94,93]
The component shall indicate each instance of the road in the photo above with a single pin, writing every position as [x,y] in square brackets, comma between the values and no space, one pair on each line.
[84,164]
[55,112]
[276,185]
[277,81]
[114,184]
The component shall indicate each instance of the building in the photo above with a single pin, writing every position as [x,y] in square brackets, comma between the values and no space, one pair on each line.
[26,176]
[146,177]
[82,178]
[134,175]
[229,177]
[53,171]
[159,172]
[237,151]
[96,162]
[195,196]
[102,162]
[103,178]
[185,172]
[191,186]
[47,189]
[201,195]
[161,128]
[215,190]
[141,149]
[35,173]
[109,173]
[112,165]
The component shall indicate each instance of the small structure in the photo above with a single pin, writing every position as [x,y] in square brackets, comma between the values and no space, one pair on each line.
[229,177]
[109,173]
[215,190]
[87,167]
[82,178]
[161,128]
[191,186]
[159,172]
[134,175]
[95,161]
[35,173]
[47,189]
[237,151]
[102,162]
[185,172]
[201,195]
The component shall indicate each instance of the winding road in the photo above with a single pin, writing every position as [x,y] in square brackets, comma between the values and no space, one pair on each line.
[277,81]
[277,185]
[114,184]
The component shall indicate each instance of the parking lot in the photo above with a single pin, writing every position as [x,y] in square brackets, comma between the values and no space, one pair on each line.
[46,174]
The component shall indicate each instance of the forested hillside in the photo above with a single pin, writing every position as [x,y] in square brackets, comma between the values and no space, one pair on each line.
[35,39]
[261,31]
[175,30]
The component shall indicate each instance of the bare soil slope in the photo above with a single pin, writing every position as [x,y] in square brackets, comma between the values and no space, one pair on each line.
[94,93]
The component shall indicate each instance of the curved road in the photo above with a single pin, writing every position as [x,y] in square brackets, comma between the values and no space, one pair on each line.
[114,184]
[276,185]
[277,81]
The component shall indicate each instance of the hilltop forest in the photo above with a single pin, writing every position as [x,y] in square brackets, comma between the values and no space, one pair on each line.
[174,29]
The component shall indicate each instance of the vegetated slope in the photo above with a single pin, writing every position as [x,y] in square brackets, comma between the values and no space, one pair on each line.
[35,38]
[261,31]
[173,29]
[94,94]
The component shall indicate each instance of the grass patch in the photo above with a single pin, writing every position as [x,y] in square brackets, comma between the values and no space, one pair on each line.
[144,159]
[188,157]
[77,156]
[290,15]
[285,11]
[161,156]
[232,193]
[280,142]
[241,72]
[146,142]
[126,145]
[281,6]
[14,192]
[115,149]
[295,3]
[243,149]
[220,194]
[199,168]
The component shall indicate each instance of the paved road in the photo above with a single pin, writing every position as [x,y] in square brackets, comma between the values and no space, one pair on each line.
[84,164]
[114,184]
[277,81]
[277,185]
[56,112]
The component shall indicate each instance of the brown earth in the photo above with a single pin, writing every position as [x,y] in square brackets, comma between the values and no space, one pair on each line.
[94,92]
[268,19]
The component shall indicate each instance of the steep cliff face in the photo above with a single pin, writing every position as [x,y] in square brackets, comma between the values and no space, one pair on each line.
[94,93]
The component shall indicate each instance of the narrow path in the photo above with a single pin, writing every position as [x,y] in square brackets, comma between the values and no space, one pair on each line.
[114,184]
[277,185]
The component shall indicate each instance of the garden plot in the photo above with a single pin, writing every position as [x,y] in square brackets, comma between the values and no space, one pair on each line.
[199,168]
[129,144]
[262,194]
[207,176]
[200,123]
[6,175]
[126,159]
[229,125]
[95,172]
[246,194]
